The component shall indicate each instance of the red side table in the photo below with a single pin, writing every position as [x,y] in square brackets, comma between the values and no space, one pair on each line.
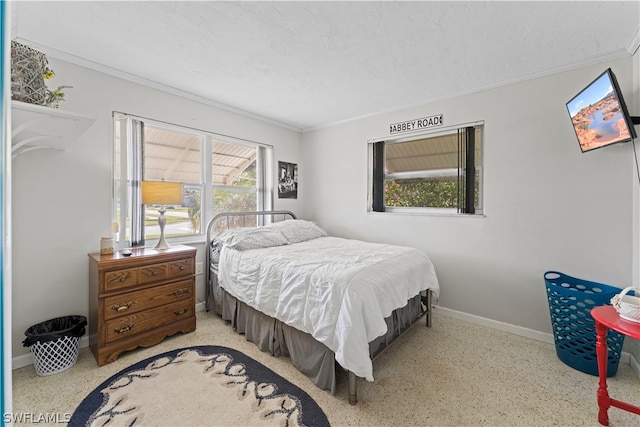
[606,317]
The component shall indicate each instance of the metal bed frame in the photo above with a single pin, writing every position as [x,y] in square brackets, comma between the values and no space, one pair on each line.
[261,216]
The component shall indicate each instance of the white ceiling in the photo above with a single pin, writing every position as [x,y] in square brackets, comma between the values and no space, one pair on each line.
[311,64]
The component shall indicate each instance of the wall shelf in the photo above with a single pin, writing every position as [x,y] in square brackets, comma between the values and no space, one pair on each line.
[35,127]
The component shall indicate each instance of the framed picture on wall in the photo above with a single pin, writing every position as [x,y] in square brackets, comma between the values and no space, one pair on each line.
[287,180]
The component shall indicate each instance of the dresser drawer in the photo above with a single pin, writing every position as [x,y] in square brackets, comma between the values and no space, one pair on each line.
[136,323]
[153,273]
[183,267]
[120,279]
[136,301]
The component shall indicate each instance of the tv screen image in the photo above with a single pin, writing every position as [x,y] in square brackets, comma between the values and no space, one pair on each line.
[599,114]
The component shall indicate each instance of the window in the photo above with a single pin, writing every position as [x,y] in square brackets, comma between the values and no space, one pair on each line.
[428,172]
[218,174]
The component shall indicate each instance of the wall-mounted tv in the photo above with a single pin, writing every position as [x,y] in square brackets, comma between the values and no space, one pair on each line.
[599,114]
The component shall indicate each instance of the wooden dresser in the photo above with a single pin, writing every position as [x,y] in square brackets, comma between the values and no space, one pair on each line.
[137,301]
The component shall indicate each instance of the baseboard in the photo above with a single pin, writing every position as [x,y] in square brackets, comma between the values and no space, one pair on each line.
[27,359]
[200,306]
[495,324]
[625,357]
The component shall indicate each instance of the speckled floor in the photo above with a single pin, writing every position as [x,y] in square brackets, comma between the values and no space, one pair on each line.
[453,374]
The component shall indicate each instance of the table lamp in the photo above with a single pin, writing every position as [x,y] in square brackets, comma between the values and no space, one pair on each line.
[161,193]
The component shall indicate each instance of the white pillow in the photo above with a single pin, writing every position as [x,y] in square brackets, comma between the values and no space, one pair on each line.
[242,239]
[298,230]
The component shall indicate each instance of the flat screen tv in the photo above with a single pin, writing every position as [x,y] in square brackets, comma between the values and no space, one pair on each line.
[599,114]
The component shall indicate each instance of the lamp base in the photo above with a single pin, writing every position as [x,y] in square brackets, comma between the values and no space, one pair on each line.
[162,244]
[162,220]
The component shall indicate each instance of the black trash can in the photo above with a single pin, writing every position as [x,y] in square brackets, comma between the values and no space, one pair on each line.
[54,343]
[574,330]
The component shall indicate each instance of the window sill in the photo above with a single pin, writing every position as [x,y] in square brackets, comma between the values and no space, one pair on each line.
[195,240]
[425,212]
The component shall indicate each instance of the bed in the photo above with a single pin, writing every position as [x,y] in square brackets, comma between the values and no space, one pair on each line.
[323,301]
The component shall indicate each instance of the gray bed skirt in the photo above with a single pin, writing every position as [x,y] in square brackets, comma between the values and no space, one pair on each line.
[309,356]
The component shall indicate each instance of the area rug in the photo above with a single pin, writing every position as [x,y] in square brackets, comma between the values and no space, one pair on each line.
[198,386]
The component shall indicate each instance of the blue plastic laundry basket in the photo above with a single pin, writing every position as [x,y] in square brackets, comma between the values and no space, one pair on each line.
[574,332]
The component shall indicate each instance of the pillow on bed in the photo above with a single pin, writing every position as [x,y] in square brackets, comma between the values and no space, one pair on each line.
[242,239]
[298,230]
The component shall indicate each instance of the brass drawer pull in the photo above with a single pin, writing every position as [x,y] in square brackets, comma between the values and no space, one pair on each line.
[121,307]
[180,292]
[154,273]
[183,310]
[123,329]
[181,267]
[124,278]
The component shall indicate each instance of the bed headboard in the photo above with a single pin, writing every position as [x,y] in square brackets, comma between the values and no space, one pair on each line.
[228,220]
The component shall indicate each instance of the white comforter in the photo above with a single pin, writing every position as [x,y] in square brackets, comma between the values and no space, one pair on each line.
[338,290]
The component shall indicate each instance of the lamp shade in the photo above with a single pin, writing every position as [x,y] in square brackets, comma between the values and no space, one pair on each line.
[161,193]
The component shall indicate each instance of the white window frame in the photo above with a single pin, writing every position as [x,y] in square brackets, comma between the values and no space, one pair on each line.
[426,173]
[264,179]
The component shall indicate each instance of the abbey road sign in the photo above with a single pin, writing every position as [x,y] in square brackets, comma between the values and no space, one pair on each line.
[416,124]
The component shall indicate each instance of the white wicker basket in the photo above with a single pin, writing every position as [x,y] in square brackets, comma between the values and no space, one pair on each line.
[55,356]
[627,306]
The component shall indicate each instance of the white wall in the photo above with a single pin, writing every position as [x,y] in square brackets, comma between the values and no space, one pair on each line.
[547,205]
[62,200]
